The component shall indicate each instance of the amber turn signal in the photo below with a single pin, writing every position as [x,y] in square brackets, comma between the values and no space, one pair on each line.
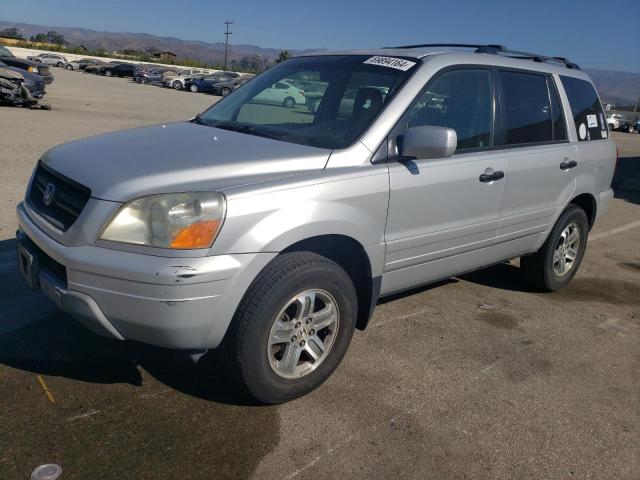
[196,235]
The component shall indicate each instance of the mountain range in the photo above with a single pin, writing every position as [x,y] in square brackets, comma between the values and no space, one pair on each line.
[618,88]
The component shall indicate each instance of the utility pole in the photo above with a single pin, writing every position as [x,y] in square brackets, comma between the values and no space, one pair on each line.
[226,42]
[635,109]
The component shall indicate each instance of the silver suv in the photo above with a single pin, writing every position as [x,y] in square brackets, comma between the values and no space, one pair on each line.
[268,233]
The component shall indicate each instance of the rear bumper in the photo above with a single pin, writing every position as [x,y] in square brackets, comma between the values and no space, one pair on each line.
[182,303]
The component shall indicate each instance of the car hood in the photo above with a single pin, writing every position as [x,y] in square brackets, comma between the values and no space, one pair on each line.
[178,157]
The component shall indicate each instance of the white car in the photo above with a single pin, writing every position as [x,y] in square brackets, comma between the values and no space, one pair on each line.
[282,93]
[49,59]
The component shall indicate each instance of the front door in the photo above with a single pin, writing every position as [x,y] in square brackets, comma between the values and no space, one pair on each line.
[444,213]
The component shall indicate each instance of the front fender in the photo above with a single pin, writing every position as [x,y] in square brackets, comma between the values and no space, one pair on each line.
[353,204]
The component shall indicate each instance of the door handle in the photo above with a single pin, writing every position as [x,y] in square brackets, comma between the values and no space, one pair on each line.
[491,177]
[568,165]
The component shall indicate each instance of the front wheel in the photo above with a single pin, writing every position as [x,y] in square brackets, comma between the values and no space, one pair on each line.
[177,85]
[193,88]
[292,328]
[69,67]
[224,91]
[108,73]
[555,264]
[59,64]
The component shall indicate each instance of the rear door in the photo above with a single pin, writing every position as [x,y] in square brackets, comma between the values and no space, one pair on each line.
[540,159]
[443,213]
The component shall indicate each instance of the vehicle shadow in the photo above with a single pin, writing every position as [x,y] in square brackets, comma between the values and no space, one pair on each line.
[626,179]
[37,337]
[503,276]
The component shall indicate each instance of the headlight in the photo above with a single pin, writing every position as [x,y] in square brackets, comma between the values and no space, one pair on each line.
[32,69]
[175,220]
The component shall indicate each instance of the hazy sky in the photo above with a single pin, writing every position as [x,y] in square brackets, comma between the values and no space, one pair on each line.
[596,34]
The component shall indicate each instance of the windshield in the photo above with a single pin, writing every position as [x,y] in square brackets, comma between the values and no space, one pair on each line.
[324,101]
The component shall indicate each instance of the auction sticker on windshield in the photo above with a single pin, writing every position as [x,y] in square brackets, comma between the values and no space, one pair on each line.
[397,63]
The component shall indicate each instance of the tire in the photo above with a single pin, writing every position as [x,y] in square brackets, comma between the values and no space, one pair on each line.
[289,102]
[177,85]
[249,350]
[59,64]
[193,88]
[144,80]
[611,127]
[108,73]
[68,67]
[224,91]
[540,269]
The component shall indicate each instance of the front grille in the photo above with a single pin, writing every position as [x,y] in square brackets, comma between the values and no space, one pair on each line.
[66,203]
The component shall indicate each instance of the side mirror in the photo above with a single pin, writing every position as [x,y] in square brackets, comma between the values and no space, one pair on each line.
[428,142]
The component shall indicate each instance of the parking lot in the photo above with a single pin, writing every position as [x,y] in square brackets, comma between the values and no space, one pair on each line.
[476,377]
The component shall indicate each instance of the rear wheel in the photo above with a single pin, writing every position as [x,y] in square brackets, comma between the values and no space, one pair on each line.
[177,85]
[144,80]
[68,67]
[224,91]
[59,64]
[554,265]
[292,328]
[289,102]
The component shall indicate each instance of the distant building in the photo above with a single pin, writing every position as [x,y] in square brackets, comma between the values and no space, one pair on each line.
[165,55]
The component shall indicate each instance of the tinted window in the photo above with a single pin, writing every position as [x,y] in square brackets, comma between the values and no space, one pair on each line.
[323,114]
[461,100]
[585,108]
[526,113]
[559,129]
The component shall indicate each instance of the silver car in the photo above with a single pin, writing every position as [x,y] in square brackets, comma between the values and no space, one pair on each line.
[269,233]
[52,59]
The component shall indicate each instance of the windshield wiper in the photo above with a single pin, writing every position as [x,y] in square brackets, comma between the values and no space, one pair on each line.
[250,130]
[198,119]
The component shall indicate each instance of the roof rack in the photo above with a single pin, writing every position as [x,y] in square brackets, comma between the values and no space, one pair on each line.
[499,50]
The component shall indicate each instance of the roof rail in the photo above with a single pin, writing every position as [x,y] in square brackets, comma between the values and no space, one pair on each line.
[499,50]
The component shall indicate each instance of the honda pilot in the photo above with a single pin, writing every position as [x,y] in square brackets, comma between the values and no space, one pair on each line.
[269,231]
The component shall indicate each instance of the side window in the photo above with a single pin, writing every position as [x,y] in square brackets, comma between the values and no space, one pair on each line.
[559,128]
[282,86]
[585,108]
[526,112]
[461,100]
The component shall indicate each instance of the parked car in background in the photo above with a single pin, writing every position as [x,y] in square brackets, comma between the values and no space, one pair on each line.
[282,93]
[30,66]
[153,75]
[118,70]
[207,83]
[637,126]
[52,59]
[189,80]
[31,81]
[226,87]
[178,80]
[620,120]
[95,67]
[80,64]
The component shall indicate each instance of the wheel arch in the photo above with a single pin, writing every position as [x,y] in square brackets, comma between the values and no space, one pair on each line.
[586,202]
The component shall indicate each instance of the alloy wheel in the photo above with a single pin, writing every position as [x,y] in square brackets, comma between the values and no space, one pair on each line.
[567,249]
[303,333]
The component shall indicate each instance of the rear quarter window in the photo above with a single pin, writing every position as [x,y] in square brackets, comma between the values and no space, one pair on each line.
[585,108]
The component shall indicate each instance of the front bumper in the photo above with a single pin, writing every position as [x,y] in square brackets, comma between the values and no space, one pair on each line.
[182,303]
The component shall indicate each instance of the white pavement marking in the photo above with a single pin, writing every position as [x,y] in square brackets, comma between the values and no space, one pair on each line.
[614,231]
